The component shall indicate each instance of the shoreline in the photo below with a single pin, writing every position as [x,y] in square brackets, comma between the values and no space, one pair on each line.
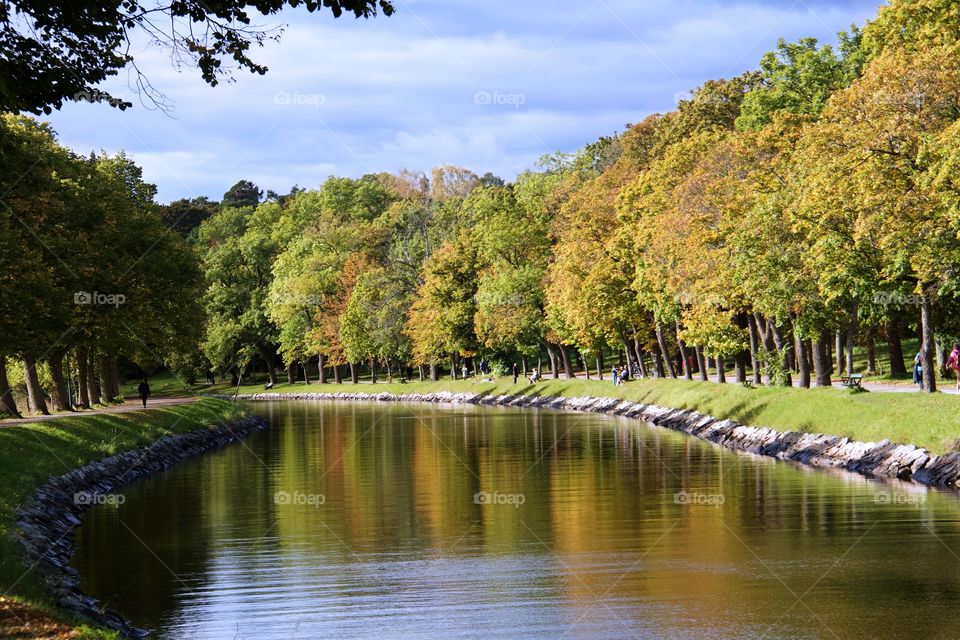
[47,523]
[883,459]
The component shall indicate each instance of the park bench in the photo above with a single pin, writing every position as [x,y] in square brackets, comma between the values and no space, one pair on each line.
[853,381]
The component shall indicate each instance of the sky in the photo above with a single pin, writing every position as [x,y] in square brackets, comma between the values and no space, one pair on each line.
[491,85]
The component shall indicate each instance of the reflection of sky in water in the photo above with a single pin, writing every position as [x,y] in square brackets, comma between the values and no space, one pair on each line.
[601,547]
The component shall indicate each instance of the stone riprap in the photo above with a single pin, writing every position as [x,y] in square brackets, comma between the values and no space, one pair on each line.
[882,459]
[47,523]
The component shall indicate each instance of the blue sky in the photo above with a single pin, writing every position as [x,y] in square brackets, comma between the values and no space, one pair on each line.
[487,84]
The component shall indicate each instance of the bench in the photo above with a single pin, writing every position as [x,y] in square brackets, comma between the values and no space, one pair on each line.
[852,381]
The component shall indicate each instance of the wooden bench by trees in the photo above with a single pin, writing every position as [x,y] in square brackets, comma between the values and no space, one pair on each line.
[853,381]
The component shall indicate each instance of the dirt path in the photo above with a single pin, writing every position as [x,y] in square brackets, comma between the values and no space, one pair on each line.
[130,404]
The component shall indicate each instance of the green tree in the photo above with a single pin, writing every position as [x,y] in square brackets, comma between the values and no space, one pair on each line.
[53,53]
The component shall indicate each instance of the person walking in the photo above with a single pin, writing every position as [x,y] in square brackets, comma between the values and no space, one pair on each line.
[465,370]
[615,376]
[143,390]
[953,362]
[516,373]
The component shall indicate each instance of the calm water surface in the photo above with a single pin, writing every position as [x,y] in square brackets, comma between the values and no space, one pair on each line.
[417,521]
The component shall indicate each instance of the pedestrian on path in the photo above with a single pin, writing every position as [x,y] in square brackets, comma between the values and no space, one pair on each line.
[515,373]
[615,375]
[953,362]
[143,390]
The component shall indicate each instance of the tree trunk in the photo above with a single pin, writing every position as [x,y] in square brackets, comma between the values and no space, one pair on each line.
[721,374]
[782,348]
[8,404]
[34,391]
[657,360]
[354,376]
[926,345]
[702,364]
[373,371]
[665,351]
[631,358]
[116,378]
[802,361]
[82,375]
[291,374]
[639,356]
[838,351]
[740,367]
[600,365]
[93,387]
[270,358]
[434,375]
[871,351]
[895,347]
[389,371]
[103,367]
[567,369]
[453,366]
[338,374]
[754,348]
[322,368]
[821,360]
[60,395]
[554,369]
[687,372]
[851,336]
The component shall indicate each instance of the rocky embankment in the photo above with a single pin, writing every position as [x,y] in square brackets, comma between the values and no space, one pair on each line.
[877,459]
[48,522]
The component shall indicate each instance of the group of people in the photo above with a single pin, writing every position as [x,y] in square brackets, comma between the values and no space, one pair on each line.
[619,374]
[953,364]
[483,367]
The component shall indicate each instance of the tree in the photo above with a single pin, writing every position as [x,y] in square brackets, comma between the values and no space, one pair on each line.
[243,194]
[889,129]
[441,320]
[53,53]
[372,326]
[185,215]
[238,249]
[799,78]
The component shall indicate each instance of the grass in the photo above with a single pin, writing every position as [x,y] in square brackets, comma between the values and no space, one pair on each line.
[927,420]
[32,453]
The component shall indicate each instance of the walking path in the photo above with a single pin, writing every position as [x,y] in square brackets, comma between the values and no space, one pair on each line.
[130,404]
[943,386]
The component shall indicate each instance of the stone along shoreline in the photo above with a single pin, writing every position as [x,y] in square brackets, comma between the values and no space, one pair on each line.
[48,522]
[882,459]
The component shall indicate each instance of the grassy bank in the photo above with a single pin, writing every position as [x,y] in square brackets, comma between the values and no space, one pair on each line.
[32,453]
[931,421]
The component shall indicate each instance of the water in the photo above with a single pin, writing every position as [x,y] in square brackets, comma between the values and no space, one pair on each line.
[362,521]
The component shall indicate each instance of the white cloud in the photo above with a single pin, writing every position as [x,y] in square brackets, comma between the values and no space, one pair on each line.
[349,97]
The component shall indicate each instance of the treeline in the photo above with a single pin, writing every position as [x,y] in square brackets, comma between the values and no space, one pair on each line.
[771,222]
[766,226]
[89,274]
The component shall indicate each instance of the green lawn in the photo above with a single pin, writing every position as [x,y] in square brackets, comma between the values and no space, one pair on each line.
[30,454]
[931,421]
